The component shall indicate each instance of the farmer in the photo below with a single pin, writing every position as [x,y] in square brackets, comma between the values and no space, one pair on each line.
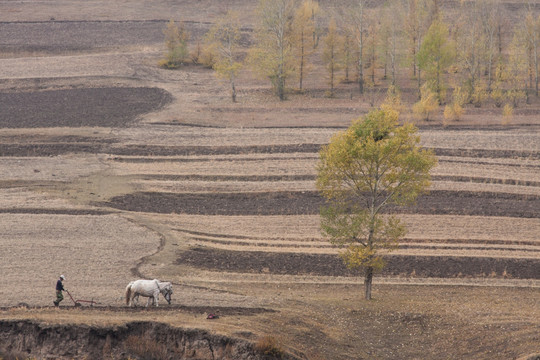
[59,289]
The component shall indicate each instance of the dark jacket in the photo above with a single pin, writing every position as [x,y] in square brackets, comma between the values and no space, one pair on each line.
[59,285]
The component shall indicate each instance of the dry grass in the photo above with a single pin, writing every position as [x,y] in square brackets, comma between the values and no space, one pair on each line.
[321,316]
[412,321]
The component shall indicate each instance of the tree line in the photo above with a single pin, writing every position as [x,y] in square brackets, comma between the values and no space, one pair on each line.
[465,55]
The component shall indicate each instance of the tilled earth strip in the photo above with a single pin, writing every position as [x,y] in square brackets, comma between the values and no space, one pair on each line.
[331,265]
[310,202]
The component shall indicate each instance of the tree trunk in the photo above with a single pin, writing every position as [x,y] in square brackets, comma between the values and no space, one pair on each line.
[490,65]
[536,67]
[419,81]
[393,58]
[414,58]
[332,82]
[281,88]
[499,37]
[368,280]
[438,83]
[530,61]
[281,81]
[302,60]
[360,64]
[360,76]
[233,92]
[361,82]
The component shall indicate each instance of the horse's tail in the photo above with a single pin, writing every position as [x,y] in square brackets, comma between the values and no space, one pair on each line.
[128,292]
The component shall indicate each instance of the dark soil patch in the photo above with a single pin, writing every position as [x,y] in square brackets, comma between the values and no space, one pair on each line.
[251,178]
[75,212]
[61,36]
[277,178]
[50,149]
[107,107]
[29,149]
[43,145]
[309,203]
[21,113]
[268,203]
[332,265]
[150,150]
[484,153]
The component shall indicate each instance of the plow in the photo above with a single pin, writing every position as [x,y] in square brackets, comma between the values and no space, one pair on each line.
[80,302]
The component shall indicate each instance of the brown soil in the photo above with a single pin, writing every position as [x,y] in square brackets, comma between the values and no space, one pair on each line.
[309,203]
[330,265]
[59,36]
[115,169]
[105,107]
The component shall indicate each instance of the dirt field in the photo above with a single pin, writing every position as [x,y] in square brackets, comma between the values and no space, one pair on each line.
[113,169]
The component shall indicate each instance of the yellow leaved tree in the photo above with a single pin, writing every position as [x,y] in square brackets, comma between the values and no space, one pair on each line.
[223,41]
[373,164]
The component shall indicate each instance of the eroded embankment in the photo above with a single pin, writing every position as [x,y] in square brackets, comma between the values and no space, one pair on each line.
[25,338]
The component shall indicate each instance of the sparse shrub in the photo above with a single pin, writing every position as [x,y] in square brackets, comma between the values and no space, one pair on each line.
[498,97]
[515,96]
[479,95]
[176,40]
[268,345]
[208,56]
[373,93]
[145,349]
[329,94]
[196,54]
[427,105]
[455,110]
[497,92]
[392,100]
[508,114]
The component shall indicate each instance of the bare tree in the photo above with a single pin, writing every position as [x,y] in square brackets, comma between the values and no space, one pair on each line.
[531,31]
[272,55]
[331,58]
[395,29]
[373,30]
[357,17]
[490,15]
[411,29]
[384,40]
[471,46]
[419,16]
[517,68]
[224,37]
[304,35]
[348,51]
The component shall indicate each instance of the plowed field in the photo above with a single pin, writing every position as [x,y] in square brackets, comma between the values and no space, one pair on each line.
[113,169]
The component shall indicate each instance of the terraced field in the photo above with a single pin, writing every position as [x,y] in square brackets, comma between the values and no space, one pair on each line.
[112,169]
[480,219]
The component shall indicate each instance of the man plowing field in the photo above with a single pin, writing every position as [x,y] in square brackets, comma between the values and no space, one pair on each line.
[59,289]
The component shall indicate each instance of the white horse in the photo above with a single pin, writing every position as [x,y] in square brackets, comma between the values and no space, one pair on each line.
[149,289]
